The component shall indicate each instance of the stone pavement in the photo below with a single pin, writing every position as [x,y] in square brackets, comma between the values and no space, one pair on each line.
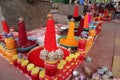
[105,50]
[9,72]
[116,58]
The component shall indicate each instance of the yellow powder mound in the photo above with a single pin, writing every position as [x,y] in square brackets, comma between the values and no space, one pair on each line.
[66,42]
[70,39]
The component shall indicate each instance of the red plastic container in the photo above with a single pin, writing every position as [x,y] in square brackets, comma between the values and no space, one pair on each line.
[98,29]
[42,75]
[68,60]
[82,44]
[51,68]
[24,66]
[35,73]
[19,62]
[15,63]
[35,76]
[24,69]
[29,68]
[82,56]
[55,77]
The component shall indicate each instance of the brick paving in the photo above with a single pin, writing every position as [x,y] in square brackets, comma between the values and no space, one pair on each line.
[105,48]
[9,72]
[116,61]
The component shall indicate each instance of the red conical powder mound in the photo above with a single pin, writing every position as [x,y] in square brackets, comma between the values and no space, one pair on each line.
[50,36]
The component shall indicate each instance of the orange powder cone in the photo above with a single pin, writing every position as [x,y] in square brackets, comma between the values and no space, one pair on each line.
[70,39]
[86,21]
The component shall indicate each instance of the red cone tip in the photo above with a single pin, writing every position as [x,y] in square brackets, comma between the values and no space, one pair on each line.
[4,25]
[22,35]
[3,19]
[75,11]
[49,16]
[21,19]
[76,4]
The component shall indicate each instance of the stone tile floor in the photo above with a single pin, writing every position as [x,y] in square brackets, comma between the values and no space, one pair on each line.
[105,49]
[9,72]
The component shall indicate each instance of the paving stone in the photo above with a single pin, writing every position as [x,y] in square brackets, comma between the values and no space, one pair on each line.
[116,66]
[102,52]
[9,72]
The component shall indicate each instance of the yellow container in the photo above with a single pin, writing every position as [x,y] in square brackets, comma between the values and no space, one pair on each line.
[9,56]
[77,54]
[62,62]
[3,51]
[88,45]
[72,56]
[92,32]
[15,57]
[10,59]
[10,43]
[35,70]
[4,54]
[24,62]
[68,59]
[20,60]
[11,51]
[68,67]
[60,66]
[0,49]
[30,66]
[42,74]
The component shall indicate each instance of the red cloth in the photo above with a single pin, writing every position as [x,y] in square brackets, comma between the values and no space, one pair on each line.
[5,27]
[22,35]
[50,37]
[76,11]
[81,45]
[80,28]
